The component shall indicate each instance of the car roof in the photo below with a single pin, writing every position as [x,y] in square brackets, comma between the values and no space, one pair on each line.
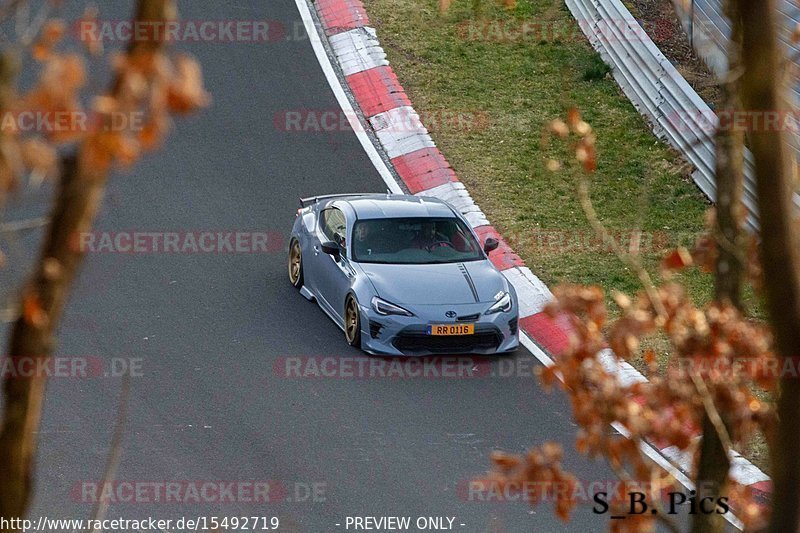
[398,205]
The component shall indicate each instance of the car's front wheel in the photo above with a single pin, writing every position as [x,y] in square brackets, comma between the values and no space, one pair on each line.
[352,322]
[295,264]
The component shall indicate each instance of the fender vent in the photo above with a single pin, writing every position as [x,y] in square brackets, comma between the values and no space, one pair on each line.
[512,325]
[375,329]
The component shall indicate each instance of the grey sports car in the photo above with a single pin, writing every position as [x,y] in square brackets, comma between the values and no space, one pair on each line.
[402,275]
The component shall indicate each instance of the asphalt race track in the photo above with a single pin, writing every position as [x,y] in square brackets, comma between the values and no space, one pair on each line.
[208,332]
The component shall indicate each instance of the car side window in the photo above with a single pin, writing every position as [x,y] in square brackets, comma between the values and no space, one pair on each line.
[334,226]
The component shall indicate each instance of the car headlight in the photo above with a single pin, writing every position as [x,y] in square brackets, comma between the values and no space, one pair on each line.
[382,307]
[502,304]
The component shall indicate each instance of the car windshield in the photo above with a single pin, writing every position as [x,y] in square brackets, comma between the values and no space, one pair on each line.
[414,241]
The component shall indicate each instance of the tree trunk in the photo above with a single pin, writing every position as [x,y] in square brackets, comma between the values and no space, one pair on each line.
[43,300]
[75,207]
[761,91]
[714,463]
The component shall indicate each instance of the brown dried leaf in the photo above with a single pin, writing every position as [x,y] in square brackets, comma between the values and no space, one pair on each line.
[560,128]
[678,259]
[40,156]
[52,32]
[573,117]
[186,92]
[32,311]
[553,165]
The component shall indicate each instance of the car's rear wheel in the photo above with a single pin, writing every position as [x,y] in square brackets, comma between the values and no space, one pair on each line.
[352,322]
[295,264]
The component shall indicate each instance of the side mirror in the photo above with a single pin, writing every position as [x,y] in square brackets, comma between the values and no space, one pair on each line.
[490,244]
[331,248]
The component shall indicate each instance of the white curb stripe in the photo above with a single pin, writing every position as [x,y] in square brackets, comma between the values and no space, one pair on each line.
[745,472]
[400,131]
[625,373]
[476,219]
[741,471]
[397,145]
[681,459]
[402,119]
[532,294]
[358,50]
[457,195]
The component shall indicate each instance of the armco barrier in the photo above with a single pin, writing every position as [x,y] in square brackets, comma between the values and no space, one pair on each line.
[675,111]
[708,28]
[709,32]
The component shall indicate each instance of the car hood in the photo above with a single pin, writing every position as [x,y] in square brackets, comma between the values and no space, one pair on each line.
[446,283]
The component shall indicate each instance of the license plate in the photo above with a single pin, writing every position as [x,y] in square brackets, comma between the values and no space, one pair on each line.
[451,329]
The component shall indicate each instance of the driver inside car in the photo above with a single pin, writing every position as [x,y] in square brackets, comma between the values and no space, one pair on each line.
[429,239]
[361,246]
[370,238]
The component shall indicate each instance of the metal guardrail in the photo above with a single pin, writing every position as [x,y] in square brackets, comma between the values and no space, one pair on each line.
[675,111]
[709,32]
[708,28]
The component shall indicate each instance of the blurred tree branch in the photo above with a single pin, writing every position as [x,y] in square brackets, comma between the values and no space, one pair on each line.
[763,90]
[714,462]
[704,384]
[80,190]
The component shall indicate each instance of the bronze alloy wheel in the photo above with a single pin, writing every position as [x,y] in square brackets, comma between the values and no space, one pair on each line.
[295,264]
[352,323]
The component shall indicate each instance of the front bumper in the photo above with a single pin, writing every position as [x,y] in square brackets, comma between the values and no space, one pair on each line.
[401,335]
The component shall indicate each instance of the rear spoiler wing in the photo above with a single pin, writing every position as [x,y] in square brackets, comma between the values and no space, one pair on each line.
[314,199]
